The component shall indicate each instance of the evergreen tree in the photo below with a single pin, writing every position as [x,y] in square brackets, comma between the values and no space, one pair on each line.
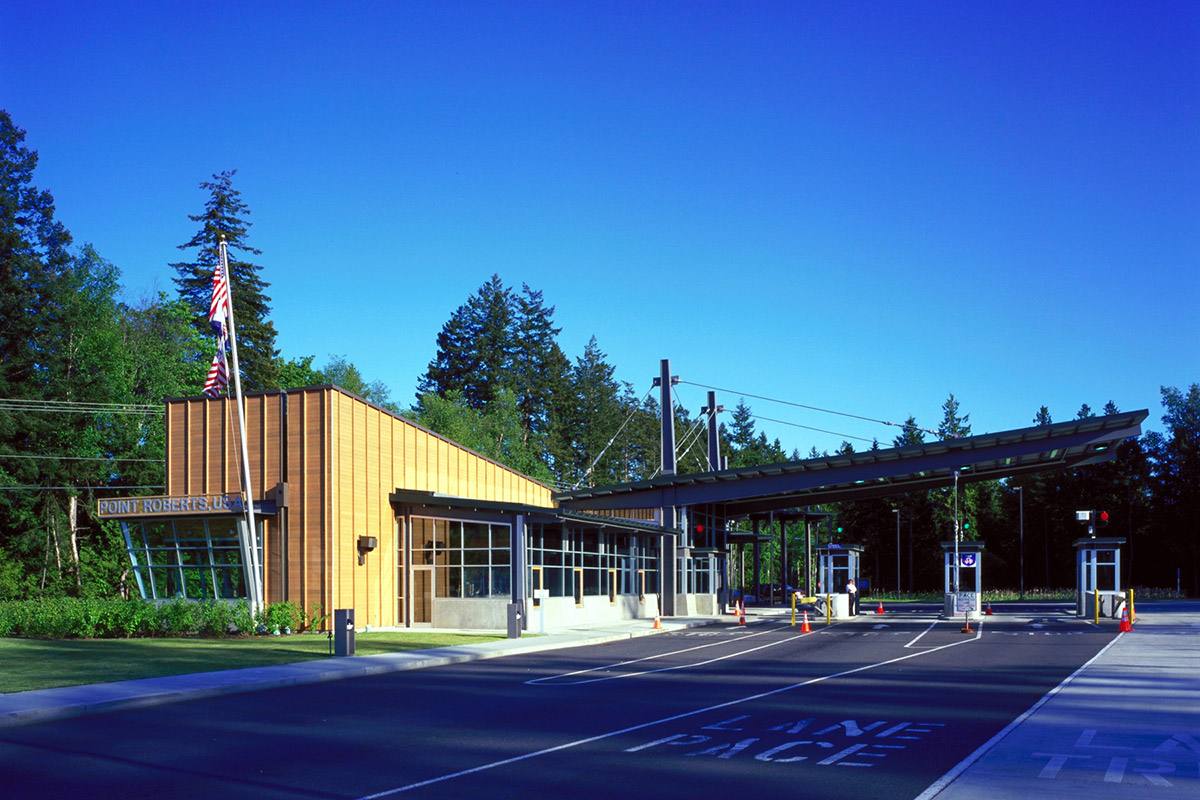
[748,448]
[225,216]
[595,417]
[37,320]
[1176,472]
[914,511]
[741,435]
[475,348]
[953,426]
[540,370]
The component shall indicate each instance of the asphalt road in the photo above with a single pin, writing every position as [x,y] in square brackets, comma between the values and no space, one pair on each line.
[860,710]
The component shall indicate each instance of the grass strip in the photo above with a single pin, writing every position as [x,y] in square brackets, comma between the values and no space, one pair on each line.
[27,664]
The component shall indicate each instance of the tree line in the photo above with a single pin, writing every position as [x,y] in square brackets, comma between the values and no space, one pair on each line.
[84,373]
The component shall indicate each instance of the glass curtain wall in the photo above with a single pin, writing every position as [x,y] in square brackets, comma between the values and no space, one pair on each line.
[593,555]
[471,559]
[188,558]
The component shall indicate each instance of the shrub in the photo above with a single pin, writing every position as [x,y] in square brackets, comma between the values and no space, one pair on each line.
[178,618]
[280,617]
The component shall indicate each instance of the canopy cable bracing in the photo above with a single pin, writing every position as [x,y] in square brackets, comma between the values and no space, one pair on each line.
[904,425]
[698,427]
[633,412]
[818,430]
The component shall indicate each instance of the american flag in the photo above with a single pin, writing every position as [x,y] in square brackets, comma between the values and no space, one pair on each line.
[218,315]
[218,309]
[218,373]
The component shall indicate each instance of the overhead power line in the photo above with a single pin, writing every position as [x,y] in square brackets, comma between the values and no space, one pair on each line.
[81,458]
[73,407]
[79,488]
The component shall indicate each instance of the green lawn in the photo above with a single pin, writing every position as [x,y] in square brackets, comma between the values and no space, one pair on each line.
[27,664]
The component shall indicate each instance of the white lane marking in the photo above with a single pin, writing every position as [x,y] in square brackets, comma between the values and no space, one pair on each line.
[958,769]
[922,633]
[663,669]
[548,678]
[695,712]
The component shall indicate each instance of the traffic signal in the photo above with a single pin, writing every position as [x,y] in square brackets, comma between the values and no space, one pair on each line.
[1101,519]
[839,529]
[966,526]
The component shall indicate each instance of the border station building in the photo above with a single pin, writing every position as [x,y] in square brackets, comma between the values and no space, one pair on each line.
[359,508]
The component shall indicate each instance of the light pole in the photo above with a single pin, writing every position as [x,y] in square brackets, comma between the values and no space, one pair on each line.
[1021,495]
[957,585]
[896,511]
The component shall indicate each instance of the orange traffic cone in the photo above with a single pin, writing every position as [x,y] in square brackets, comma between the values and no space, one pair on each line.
[742,613]
[966,628]
[1125,626]
[657,623]
[880,609]
[989,610]
[804,628]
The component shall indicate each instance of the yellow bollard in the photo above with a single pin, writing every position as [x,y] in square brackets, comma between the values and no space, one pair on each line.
[828,611]
[793,609]
[1132,616]
[1096,598]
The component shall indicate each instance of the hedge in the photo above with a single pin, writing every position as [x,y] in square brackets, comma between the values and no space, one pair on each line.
[113,618]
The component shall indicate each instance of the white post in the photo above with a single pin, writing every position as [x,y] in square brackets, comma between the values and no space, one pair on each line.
[957,584]
[254,579]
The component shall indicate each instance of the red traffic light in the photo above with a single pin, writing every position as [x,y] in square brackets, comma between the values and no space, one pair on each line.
[699,529]
[1102,518]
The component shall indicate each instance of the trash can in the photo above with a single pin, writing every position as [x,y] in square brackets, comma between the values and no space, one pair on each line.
[514,620]
[343,632]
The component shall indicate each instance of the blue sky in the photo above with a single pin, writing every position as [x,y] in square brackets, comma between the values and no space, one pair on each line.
[856,206]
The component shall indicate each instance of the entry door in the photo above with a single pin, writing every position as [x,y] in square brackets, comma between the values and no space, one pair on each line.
[422,595]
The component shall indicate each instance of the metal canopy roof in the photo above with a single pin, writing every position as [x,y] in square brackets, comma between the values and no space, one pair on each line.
[874,473]
[442,502]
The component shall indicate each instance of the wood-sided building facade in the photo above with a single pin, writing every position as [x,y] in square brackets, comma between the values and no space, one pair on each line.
[360,508]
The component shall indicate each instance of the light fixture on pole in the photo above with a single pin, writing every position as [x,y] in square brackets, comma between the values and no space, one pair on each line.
[896,511]
[957,585]
[1021,496]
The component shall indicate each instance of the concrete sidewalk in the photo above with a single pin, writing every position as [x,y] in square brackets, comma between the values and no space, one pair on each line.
[42,705]
[1127,724]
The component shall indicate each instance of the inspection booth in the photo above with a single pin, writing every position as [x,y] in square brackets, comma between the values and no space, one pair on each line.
[1098,576]
[837,565]
[963,587]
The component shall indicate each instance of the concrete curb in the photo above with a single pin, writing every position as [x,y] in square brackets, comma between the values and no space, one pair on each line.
[43,705]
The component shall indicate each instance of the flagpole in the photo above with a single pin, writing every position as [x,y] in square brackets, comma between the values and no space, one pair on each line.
[254,582]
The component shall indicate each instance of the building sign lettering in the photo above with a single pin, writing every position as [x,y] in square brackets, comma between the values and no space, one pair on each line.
[170,505]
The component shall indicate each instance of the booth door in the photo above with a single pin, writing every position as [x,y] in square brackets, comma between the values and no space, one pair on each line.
[422,595]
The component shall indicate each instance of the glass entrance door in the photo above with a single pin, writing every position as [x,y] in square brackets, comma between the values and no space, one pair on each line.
[422,595]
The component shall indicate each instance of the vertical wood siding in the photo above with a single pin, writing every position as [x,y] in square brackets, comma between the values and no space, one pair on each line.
[344,458]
